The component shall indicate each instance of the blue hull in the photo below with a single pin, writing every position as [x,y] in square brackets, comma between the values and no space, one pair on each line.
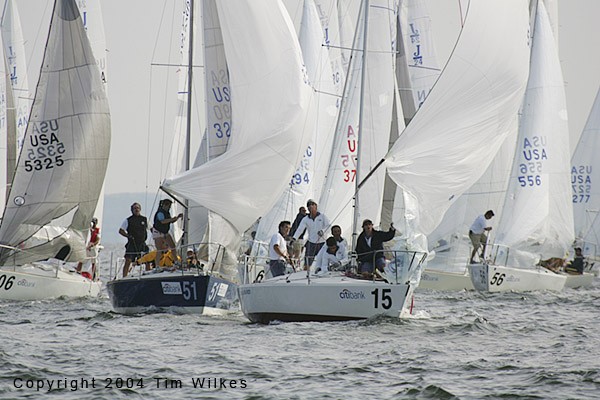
[197,294]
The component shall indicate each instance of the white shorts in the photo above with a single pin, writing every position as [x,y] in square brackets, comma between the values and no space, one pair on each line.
[157,235]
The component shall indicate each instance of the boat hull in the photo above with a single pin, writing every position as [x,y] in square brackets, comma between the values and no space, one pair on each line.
[496,278]
[327,298]
[584,280]
[32,283]
[445,281]
[188,293]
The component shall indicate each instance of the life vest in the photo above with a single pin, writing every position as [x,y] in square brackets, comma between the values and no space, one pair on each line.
[159,226]
[137,226]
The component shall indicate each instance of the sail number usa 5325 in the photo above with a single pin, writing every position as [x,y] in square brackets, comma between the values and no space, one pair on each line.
[44,150]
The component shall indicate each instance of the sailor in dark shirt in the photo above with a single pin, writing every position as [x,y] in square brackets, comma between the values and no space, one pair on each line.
[576,266]
[135,229]
[369,246]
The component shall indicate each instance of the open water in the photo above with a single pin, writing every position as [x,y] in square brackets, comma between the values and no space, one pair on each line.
[464,345]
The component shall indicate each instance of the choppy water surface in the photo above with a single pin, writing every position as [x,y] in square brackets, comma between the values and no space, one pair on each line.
[463,345]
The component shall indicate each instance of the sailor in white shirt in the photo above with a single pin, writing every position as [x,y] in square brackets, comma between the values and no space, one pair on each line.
[315,224]
[477,233]
[278,254]
[334,254]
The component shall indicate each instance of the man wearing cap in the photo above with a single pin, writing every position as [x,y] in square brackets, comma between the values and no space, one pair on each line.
[477,233]
[160,229]
[369,246]
[315,224]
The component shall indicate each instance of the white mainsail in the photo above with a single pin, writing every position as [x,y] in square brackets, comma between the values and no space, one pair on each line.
[417,70]
[91,15]
[377,115]
[270,101]
[460,127]
[417,56]
[537,218]
[18,98]
[307,181]
[5,177]
[65,152]
[585,175]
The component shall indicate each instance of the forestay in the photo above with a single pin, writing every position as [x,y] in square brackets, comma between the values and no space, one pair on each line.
[468,113]
[65,152]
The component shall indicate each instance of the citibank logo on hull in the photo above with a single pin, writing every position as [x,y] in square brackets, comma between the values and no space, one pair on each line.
[348,295]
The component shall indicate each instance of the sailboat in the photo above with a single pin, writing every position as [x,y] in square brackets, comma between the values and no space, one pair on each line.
[191,290]
[60,170]
[586,197]
[537,217]
[458,128]
[238,186]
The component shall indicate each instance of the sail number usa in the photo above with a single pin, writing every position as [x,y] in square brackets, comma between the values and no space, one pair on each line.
[46,151]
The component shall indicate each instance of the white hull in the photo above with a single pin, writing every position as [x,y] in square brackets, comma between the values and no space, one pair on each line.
[30,282]
[496,278]
[445,281]
[331,297]
[575,281]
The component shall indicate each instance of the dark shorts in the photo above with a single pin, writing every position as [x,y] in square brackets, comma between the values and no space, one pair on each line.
[277,267]
[312,249]
[133,252]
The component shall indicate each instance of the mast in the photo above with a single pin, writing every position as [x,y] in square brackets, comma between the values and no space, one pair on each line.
[188,131]
[360,120]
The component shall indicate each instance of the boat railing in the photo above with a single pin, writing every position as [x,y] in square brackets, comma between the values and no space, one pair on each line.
[255,268]
[400,265]
[202,258]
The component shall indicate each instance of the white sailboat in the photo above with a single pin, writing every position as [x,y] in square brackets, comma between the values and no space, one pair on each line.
[192,290]
[60,170]
[433,161]
[537,217]
[586,195]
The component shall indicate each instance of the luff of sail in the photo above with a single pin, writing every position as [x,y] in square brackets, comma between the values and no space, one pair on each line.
[468,113]
[17,90]
[65,152]
[270,99]
[585,170]
[538,216]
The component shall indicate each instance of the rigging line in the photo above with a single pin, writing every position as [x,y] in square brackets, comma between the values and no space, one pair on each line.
[174,65]
[422,67]
[165,163]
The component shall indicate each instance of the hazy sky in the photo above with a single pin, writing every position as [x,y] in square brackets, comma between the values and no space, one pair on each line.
[142,96]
